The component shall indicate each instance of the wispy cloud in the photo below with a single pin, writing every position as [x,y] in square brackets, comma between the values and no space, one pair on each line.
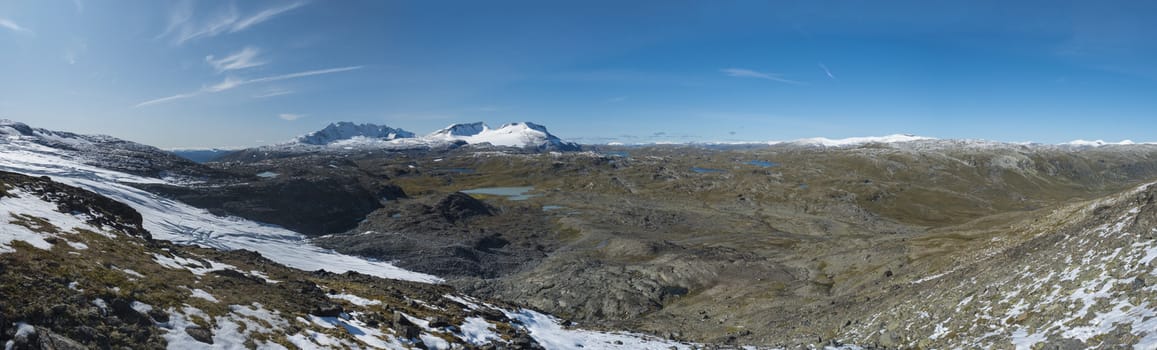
[299,75]
[827,71]
[290,116]
[264,15]
[10,25]
[246,58]
[616,99]
[272,93]
[231,83]
[747,73]
[169,98]
[184,26]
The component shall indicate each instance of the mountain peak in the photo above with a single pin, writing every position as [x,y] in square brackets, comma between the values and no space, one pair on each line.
[518,134]
[348,130]
[461,129]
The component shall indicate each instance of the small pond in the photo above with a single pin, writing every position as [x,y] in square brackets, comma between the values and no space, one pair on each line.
[762,163]
[511,193]
[267,174]
[706,170]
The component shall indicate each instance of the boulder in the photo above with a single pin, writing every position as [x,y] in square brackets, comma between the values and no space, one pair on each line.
[200,334]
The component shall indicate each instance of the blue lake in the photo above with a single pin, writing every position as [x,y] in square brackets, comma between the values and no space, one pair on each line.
[762,163]
[511,193]
[706,170]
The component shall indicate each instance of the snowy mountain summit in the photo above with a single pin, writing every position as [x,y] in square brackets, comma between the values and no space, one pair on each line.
[524,134]
[467,129]
[350,135]
[347,130]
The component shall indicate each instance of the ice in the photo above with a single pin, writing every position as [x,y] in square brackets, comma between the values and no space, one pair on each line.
[174,221]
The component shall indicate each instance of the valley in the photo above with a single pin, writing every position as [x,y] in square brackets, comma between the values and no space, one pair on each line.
[791,245]
[582,175]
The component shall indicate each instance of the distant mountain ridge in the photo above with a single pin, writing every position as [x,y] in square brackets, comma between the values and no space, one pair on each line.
[347,130]
[524,134]
[104,151]
[467,129]
[350,135]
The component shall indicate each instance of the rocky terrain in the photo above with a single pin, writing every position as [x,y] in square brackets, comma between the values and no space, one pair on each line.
[78,270]
[707,245]
[898,242]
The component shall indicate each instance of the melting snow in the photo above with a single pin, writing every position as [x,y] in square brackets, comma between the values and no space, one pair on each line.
[550,333]
[202,294]
[477,331]
[141,307]
[367,335]
[231,331]
[172,220]
[356,300]
[25,207]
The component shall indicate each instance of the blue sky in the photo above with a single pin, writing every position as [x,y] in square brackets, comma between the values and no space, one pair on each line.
[245,73]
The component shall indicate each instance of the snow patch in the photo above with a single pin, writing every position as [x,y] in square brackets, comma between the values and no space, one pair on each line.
[20,215]
[202,294]
[170,220]
[477,331]
[356,300]
[549,332]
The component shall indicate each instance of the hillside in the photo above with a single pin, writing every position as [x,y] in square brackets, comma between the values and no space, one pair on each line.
[791,245]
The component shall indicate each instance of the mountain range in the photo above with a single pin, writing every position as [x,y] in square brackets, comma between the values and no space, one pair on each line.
[517,135]
[119,266]
[463,241]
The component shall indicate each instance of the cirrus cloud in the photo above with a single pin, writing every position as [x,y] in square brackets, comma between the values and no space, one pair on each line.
[10,25]
[185,26]
[231,83]
[748,73]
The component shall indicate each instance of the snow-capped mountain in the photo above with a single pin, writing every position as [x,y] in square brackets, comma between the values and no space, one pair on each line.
[852,141]
[467,129]
[104,151]
[54,202]
[346,136]
[524,134]
[347,131]
[1098,143]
